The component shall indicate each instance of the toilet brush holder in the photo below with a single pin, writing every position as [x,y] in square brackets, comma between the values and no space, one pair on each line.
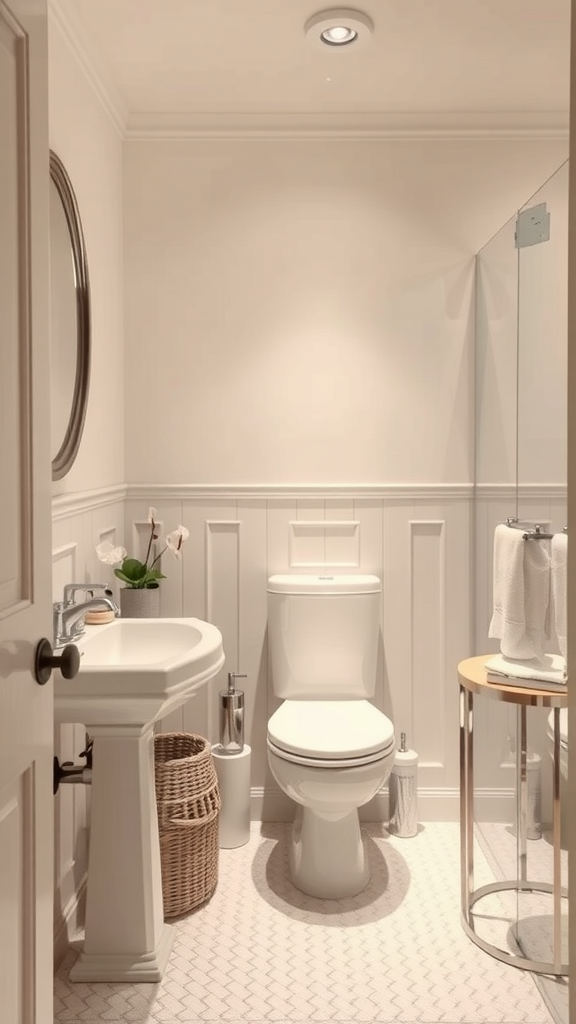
[402,788]
[232,717]
[231,758]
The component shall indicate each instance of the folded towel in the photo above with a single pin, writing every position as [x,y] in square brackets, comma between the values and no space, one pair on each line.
[559,560]
[550,669]
[521,596]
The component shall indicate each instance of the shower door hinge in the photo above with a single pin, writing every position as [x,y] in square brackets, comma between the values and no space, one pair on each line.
[532,226]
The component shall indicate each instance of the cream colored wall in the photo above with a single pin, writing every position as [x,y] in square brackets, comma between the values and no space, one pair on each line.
[297,313]
[301,311]
[85,139]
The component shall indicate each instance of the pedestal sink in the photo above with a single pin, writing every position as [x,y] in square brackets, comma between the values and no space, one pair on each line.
[132,672]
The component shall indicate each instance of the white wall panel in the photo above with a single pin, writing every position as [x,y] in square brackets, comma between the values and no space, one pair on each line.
[324,543]
[396,623]
[252,618]
[427,648]
[279,513]
[199,715]
[222,602]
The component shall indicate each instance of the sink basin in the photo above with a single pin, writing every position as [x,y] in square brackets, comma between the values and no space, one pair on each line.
[133,671]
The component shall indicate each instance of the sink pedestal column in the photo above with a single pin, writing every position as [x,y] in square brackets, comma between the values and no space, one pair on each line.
[126,937]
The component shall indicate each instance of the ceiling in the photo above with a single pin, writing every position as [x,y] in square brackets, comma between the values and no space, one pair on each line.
[236,62]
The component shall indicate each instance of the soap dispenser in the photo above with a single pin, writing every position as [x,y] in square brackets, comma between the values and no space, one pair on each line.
[232,716]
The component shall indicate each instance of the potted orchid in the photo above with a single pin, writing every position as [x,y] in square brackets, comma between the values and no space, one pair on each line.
[141,578]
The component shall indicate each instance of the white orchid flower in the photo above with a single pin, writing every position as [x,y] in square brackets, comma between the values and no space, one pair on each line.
[175,540]
[110,555]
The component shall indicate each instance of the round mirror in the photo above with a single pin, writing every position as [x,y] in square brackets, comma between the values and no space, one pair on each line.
[69,321]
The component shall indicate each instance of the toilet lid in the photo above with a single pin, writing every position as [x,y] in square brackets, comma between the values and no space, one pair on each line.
[330,730]
[563,726]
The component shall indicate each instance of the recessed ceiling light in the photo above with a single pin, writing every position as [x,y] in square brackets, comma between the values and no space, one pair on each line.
[338,29]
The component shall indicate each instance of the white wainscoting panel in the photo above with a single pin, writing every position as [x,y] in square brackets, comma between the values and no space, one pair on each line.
[252,618]
[324,542]
[222,601]
[427,627]
[63,568]
[424,543]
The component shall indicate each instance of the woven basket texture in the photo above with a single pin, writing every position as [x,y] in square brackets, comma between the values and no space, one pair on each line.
[188,801]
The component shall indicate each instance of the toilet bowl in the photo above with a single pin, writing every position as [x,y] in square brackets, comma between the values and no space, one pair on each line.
[329,749]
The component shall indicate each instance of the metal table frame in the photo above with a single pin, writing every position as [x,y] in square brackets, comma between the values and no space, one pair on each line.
[472,680]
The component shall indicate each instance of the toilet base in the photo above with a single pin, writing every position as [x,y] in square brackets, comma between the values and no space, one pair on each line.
[327,857]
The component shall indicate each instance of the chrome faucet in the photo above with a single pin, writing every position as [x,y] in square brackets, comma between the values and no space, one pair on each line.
[68,617]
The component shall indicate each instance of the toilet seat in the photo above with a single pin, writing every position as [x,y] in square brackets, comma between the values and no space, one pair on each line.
[330,734]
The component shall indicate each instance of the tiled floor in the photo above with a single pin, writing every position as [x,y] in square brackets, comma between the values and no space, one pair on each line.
[498,843]
[261,951]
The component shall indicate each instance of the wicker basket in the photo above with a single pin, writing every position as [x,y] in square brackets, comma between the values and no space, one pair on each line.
[188,801]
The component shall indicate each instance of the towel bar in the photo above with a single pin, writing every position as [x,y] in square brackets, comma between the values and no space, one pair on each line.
[535,533]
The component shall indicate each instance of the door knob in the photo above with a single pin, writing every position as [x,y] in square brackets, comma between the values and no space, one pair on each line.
[67,660]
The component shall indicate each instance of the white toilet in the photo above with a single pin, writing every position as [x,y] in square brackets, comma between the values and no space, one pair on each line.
[329,749]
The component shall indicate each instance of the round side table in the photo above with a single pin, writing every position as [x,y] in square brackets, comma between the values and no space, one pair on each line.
[472,681]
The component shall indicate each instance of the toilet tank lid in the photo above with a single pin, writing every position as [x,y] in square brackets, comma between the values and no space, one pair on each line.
[323,583]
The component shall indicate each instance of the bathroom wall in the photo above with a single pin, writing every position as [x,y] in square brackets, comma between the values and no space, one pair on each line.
[88,142]
[317,395]
[298,392]
[87,503]
[300,310]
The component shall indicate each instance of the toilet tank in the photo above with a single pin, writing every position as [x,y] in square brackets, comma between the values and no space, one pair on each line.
[323,636]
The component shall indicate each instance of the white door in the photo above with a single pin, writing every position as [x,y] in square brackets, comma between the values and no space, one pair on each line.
[26,726]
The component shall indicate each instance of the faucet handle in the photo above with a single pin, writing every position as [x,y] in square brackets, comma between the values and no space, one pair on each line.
[70,590]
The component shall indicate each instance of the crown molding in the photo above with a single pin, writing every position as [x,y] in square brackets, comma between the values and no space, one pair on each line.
[90,64]
[143,127]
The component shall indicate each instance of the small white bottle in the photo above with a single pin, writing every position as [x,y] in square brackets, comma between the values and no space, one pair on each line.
[402,789]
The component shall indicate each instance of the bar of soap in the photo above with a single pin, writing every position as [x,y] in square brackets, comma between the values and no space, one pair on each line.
[98,617]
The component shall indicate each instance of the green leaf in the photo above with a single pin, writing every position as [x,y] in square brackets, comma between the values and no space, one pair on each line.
[120,575]
[133,569]
[154,574]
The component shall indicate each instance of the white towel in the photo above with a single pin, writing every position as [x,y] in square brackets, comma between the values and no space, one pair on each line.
[520,618]
[550,670]
[559,560]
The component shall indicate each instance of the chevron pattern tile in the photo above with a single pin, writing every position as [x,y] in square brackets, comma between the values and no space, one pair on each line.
[261,951]
[498,843]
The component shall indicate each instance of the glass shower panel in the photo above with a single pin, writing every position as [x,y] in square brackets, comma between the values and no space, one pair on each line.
[543,352]
[542,491]
[496,359]
[521,460]
[495,490]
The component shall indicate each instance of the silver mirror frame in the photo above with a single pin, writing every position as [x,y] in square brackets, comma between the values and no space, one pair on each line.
[64,458]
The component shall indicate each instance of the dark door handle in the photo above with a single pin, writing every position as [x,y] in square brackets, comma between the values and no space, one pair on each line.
[67,660]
